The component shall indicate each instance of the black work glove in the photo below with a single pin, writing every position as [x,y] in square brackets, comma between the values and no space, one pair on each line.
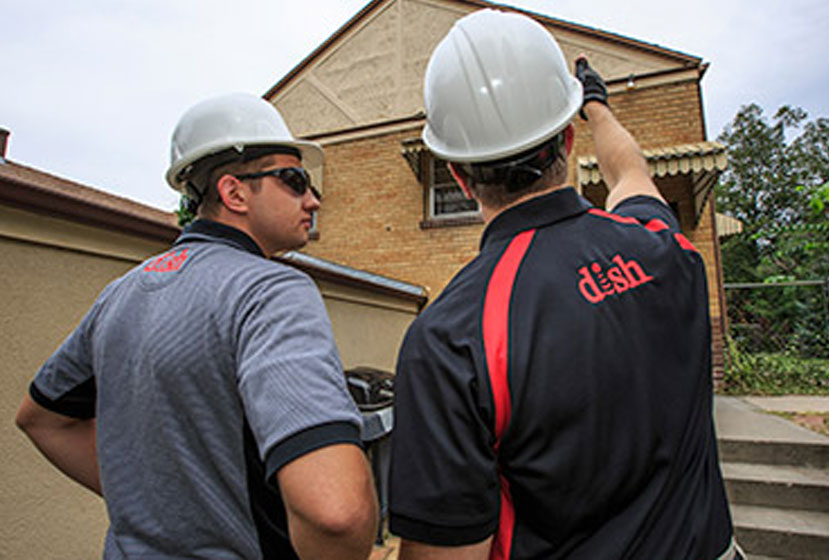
[593,85]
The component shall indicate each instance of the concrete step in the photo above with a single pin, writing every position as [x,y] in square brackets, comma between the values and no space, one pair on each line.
[774,452]
[778,533]
[783,486]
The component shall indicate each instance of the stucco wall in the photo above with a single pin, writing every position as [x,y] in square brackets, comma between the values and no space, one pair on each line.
[373,70]
[368,330]
[44,292]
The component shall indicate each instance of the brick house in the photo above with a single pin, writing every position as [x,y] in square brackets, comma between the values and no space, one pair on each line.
[391,208]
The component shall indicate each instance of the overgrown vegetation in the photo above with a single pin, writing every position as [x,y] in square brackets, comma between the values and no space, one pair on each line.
[779,373]
[777,185]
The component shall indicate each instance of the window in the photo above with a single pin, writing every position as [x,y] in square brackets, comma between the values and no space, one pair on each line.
[446,199]
[444,204]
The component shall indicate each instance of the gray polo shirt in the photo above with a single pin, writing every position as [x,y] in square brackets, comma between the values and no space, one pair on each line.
[207,368]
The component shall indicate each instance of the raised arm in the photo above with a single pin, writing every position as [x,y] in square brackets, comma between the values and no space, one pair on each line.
[331,504]
[622,164]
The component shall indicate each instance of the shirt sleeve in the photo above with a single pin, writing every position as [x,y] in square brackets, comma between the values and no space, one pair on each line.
[289,372]
[65,383]
[647,208]
[444,487]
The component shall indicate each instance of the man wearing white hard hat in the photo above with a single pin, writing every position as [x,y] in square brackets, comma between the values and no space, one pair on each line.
[202,395]
[555,400]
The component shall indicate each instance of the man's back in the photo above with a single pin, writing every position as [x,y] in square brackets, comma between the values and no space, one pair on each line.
[196,388]
[578,343]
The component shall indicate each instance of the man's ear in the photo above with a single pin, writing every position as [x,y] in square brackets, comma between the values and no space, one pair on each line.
[459,180]
[233,193]
[569,137]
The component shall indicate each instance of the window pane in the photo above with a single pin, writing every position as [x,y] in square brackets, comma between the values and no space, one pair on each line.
[449,199]
[442,176]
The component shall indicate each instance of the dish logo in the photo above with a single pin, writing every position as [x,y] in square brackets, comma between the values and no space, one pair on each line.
[596,284]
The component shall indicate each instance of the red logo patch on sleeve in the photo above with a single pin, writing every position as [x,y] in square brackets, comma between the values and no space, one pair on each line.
[168,262]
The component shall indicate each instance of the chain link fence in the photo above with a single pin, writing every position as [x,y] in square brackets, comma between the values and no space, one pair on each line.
[778,336]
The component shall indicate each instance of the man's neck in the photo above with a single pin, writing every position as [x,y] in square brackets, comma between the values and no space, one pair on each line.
[239,222]
[490,213]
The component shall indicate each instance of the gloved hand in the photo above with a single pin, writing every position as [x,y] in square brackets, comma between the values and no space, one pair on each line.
[594,88]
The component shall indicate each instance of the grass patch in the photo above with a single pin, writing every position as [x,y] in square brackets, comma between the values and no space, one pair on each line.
[780,373]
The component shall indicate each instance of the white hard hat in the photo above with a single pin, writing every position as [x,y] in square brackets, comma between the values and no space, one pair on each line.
[232,122]
[495,86]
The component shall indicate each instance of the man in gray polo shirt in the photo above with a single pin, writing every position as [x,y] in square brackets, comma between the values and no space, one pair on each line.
[202,395]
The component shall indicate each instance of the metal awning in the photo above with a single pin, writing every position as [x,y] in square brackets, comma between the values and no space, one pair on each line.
[701,162]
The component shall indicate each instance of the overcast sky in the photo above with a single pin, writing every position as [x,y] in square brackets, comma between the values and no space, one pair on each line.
[92,89]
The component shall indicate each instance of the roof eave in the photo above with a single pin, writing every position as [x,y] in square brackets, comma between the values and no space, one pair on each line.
[29,197]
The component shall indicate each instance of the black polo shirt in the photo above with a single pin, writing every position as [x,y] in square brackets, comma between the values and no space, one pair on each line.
[558,393]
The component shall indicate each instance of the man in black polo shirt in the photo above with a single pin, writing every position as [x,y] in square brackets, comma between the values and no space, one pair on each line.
[555,400]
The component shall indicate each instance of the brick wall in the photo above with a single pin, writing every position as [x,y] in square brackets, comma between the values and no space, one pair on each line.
[371,214]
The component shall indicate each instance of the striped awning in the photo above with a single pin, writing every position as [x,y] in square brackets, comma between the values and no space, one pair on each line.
[699,157]
[727,226]
[701,162]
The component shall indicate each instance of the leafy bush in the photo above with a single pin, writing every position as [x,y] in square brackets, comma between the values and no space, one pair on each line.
[780,373]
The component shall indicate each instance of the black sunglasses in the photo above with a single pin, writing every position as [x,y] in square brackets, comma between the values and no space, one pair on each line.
[295,178]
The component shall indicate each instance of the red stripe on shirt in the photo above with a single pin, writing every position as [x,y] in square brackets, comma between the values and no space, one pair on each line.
[684,243]
[656,225]
[502,544]
[496,347]
[614,217]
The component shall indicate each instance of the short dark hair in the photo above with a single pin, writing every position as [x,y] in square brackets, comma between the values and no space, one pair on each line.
[211,201]
[502,182]
[201,185]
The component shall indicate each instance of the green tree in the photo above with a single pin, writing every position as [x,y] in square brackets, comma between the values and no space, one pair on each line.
[777,185]
[185,212]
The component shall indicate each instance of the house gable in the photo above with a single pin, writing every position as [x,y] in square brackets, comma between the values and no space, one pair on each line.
[371,70]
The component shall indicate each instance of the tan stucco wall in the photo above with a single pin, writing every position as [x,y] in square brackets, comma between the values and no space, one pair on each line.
[374,71]
[368,329]
[44,292]
[52,272]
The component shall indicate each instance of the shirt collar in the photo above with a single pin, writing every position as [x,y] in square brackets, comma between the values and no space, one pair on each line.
[208,230]
[536,212]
